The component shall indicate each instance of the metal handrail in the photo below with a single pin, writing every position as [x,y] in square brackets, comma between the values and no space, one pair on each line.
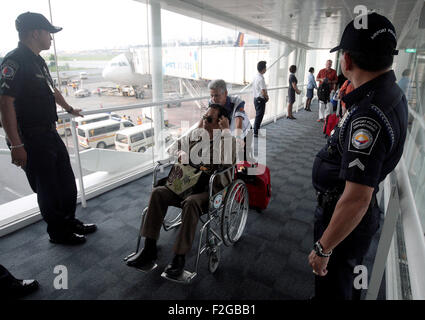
[402,201]
[4,151]
[417,117]
[391,208]
[64,115]
[413,233]
[412,227]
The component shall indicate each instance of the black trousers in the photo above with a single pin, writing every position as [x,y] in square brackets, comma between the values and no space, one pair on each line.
[260,108]
[50,175]
[5,278]
[338,284]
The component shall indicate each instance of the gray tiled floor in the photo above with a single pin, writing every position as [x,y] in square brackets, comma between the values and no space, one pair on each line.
[269,262]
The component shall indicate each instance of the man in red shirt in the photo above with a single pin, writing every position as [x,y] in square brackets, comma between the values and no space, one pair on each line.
[330,74]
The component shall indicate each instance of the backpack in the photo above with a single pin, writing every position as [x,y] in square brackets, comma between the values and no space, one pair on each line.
[324,91]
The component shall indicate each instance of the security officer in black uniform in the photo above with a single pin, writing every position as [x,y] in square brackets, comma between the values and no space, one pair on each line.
[365,146]
[28,101]
[12,288]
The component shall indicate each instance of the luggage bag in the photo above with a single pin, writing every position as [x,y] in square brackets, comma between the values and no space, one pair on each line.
[258,184]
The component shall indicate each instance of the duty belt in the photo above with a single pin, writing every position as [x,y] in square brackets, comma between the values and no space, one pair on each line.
[327,198]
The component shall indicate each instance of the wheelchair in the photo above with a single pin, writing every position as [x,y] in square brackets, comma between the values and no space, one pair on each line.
[222,223]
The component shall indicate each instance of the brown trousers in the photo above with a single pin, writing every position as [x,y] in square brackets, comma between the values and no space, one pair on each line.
[192,207]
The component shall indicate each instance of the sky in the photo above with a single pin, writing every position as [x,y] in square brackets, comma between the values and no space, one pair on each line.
[102,24]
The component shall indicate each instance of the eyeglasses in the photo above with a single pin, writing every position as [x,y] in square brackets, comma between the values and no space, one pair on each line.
[208,118]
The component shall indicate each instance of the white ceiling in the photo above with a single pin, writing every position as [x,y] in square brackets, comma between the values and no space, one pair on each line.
[311,24]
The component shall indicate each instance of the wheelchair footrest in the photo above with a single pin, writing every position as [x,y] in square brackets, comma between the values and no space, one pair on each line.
[185,278]
[132,262]
[129,256]
[146,268]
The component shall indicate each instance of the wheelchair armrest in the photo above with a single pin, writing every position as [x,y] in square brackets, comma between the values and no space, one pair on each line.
[165,161]
[217,173]
[159,164]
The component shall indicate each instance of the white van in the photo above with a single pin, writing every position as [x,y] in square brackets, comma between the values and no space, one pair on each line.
[64,125]
[83,75]
[95,118]
[100,134]
[136,139]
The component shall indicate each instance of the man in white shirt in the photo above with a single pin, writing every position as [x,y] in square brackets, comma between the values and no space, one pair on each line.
[260,95]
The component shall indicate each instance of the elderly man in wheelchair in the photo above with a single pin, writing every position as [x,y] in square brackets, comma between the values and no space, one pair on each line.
[206,188]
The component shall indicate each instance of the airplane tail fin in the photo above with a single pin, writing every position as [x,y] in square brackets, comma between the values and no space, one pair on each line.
[239,40]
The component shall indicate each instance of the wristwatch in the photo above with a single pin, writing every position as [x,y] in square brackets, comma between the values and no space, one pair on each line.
[70,110]
[318,249]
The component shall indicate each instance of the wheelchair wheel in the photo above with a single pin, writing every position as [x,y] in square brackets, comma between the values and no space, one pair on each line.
[235,212]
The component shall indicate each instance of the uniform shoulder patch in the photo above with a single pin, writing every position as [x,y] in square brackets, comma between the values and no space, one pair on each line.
[8,69]
[363,135]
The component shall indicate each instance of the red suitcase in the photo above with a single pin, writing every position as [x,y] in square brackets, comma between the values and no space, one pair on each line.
[258,184]
[330,123]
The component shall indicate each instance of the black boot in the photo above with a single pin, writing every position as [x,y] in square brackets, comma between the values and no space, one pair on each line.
[146,257]
[175,269]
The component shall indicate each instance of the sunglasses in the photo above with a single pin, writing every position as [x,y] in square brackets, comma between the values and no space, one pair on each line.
[208,118]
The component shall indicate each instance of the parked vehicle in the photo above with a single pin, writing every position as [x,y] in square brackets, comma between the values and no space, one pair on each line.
[174,96]
[96,118]
[82,93]
[100,134]
[136,139]
[63,125]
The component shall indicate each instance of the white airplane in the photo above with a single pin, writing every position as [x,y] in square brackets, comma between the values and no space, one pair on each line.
[189,62]
[121,70]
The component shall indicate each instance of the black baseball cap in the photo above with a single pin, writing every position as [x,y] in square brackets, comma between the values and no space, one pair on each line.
[378,38]
[33,21]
